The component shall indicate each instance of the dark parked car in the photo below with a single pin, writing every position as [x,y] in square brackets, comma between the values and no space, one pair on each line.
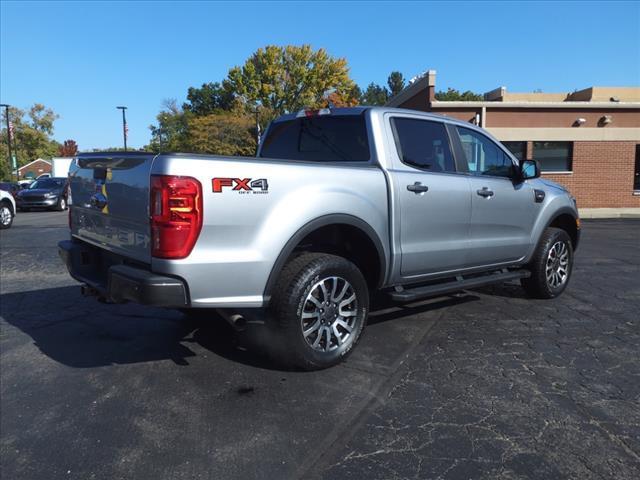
[51,193]
[12,187]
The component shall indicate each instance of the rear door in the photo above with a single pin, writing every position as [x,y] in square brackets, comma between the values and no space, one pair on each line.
[434,199]
[110,207]
[502,212]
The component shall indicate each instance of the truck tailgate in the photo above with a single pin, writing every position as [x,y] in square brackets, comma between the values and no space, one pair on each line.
[110,202]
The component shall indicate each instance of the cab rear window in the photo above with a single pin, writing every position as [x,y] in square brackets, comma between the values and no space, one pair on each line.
[318,139]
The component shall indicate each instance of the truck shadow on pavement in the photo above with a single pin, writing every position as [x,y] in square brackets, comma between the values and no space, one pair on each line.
[82,333]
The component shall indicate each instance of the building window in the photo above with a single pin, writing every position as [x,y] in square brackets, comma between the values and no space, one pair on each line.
[518,149]
[553,156]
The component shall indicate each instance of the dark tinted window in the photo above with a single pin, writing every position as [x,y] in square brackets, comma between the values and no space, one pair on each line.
[518,149]
[322,138]
[553,156]
[48,183]
[483,156]
[423,144]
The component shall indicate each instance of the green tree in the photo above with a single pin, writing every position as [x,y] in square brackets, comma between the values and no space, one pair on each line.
[32,133]
[395,83]
[286,79]
[208,99]
[374,95]
[452,95]
[222,134]
[170,134]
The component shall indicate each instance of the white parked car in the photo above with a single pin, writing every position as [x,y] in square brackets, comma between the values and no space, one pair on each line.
[7,209]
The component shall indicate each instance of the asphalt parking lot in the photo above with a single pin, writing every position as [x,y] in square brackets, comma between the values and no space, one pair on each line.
[486,384]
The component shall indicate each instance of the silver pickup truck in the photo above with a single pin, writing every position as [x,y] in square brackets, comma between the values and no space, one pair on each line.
[337,204]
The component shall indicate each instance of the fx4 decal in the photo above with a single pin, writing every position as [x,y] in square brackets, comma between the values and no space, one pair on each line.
[240,185]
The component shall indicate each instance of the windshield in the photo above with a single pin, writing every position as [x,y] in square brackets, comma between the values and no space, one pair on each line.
[318,139]
[48,183]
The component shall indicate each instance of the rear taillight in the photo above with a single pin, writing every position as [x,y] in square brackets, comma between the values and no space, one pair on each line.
[176,215]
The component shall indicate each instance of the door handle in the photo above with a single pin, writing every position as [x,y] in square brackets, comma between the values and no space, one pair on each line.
[417,187]
[485,192]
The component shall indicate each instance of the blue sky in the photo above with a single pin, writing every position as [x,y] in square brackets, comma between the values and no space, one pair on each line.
[84,58]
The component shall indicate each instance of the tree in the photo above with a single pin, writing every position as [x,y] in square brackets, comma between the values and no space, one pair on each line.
[452,95]
[374,95]
[31,137]
[208,99]
[222,134]
[286,79]
[68,149]
[170,135]
[395,83]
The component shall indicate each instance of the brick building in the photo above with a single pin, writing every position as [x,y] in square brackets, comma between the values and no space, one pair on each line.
[34,169]
[588,140]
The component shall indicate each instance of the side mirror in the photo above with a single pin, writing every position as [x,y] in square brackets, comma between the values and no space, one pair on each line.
[529,169]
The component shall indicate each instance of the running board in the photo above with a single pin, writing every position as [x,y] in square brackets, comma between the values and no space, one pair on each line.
[417,293]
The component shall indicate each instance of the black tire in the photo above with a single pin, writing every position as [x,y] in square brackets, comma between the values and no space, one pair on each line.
[61,206]
[299,280]
[6,215]
[539,284]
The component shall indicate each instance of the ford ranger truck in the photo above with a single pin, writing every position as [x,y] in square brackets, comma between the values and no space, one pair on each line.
[337,204]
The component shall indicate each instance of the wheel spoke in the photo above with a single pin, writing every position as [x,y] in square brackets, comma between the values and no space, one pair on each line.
[336,334]
[344,325]
[347,313]
[327,345]
[312,329]
[324,291]
[342,292]
[346,302]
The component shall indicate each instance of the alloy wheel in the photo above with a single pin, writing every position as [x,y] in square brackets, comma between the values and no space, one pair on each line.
[329,314]
[557,266]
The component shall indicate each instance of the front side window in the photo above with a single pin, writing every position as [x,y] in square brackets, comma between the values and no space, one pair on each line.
[553,156]
[423,144]
[318,139]
[483,156]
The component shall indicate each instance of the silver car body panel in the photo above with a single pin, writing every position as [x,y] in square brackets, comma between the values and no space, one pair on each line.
[446,230]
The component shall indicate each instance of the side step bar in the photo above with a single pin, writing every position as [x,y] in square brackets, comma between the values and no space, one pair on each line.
[461,283]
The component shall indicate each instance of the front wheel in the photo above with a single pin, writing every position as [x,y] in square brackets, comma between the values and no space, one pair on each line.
[320,307]
[62,204]
[6,216]
[551,265]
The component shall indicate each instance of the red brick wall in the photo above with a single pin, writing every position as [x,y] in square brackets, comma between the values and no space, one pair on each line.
[38,168]
[602,174]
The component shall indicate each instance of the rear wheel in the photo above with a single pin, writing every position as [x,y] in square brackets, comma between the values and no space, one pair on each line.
[6,215]
[551,265]
[320,307]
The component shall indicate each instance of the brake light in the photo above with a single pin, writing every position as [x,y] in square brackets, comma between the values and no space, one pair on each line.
[313,113]
[176,215]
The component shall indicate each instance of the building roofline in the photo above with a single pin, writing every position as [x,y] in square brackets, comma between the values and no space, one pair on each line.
[523,104]
[34,161]
[413,89]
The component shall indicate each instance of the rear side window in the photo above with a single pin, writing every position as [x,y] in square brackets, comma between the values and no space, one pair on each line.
[483,156]
[423,144]
[318,139]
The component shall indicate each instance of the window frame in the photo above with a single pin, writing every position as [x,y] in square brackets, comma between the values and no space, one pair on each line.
[496,143]
[554,172]
[396,143]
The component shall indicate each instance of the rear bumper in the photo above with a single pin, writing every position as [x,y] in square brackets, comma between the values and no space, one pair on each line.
[119,283]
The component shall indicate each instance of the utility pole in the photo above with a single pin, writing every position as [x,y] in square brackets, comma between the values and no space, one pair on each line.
[125,129]
[256,111]
[13,163]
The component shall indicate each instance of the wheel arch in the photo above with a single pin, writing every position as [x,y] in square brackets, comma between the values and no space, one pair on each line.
[370,256]
[566,220]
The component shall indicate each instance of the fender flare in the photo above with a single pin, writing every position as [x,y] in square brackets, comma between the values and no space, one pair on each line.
[562,211]
[325,220]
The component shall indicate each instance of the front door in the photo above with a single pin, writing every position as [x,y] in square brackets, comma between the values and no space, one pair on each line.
[434,200]
[502,211]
